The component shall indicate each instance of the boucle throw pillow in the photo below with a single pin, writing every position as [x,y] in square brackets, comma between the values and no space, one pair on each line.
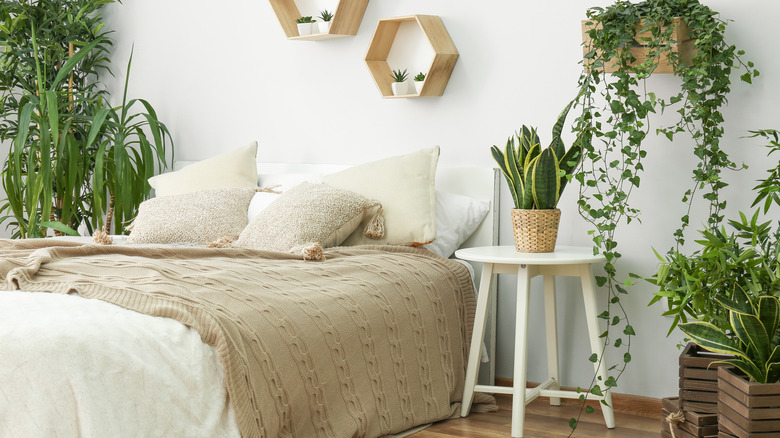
[200,217]
[308,213]
[236,168]
[405,187]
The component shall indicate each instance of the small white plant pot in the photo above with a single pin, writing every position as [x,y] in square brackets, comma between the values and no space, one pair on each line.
[323,26]
[418,85]
[399,88]
[304,28]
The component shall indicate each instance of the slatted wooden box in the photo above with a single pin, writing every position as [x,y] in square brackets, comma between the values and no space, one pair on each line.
[699,379]
[747,409]
[695,426]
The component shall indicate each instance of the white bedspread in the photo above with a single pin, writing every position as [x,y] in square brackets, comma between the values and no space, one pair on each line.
[74,367]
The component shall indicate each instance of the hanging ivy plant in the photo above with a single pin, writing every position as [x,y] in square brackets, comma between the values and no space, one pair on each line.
[616,107]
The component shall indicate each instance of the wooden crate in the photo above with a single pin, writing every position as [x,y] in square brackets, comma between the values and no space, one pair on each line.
[684,45]
[699,379]
[747,409]
[696,425]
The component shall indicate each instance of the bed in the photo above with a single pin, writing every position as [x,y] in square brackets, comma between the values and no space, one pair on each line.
[370,342]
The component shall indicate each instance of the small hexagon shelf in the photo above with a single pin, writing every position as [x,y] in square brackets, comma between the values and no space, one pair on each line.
[444,58]
[346,19]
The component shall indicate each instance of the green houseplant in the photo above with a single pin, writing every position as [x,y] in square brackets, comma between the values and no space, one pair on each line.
[615,121]
[419,81]
[55,111]
[536,178]
[326,16]
[399,81]
[305,25]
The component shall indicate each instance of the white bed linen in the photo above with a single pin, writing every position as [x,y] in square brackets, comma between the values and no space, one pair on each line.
[75,367]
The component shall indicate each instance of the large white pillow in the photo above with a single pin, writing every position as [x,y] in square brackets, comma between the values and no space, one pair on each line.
[233,169]
[457,217]
[404,185]
[279,183]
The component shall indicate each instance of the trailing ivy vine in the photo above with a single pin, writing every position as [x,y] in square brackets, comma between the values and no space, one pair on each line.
[615,120]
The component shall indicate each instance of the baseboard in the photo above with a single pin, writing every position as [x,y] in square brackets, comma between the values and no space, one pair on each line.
[624,403]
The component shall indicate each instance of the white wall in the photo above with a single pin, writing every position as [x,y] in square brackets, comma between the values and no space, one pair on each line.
[221,74]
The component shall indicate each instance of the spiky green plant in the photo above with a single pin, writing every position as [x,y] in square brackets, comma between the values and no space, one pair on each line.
[750,337]
[536,176]
[305,20]
[420,77]
[399,76]
[326,15]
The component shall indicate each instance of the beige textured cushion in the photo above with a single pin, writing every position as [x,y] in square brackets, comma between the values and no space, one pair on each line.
[405,187]
[200,217]
[236,168]
[306,214]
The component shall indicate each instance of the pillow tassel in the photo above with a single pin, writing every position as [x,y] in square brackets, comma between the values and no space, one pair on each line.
[375,229]
[313,251]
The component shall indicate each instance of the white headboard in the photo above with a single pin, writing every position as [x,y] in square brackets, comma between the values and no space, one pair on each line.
[475,182]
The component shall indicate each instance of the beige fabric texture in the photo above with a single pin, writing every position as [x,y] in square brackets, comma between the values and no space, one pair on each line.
[199,217]
[305,214]
[370,342]
[405,186]
[236,168]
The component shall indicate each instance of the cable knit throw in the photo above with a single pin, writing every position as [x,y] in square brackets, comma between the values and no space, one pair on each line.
[369,342]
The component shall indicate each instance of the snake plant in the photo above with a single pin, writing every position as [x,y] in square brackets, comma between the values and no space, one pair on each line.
[751,336]
[536,176]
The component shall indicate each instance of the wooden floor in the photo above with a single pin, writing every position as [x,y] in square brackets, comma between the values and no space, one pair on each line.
[543,421]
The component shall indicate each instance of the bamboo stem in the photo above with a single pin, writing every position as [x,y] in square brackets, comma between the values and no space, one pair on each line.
[109,214]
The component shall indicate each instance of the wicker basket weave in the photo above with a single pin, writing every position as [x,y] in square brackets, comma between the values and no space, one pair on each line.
[535,230]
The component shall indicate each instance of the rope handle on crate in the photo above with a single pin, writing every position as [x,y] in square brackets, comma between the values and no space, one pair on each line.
[674,420]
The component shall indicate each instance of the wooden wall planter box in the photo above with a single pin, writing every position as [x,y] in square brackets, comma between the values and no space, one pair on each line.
[747,409]
[695,426]
[683,45]
[699,379]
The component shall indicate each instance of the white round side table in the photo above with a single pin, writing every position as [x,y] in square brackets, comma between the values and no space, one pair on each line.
[565,261]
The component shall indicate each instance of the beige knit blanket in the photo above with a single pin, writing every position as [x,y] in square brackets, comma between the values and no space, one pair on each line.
[370,342]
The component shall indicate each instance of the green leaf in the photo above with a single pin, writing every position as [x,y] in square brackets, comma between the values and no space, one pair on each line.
[593,358]
[59,226]
[710,337]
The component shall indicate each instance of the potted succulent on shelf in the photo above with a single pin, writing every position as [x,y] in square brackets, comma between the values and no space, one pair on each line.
[305,25]
[536,179]
[399,82]
[419,81]
[324,25]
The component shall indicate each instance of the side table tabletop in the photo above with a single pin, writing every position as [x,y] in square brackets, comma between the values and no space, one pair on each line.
[565,261]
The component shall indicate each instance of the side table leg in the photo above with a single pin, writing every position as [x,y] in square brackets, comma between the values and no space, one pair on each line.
[477,335]
[521,350]
[550,319]
[591,312]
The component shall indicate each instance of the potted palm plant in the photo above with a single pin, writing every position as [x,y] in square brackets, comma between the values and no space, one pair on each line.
[305,25]
[324,25]
[399,82]
[536,179]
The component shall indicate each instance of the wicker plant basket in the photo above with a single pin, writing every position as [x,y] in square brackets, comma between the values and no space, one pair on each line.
[535,230]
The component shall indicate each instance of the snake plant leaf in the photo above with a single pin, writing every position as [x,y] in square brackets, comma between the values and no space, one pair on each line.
[515,173]
[710,337]
[769,314]
[750,331]
[747,367]
[569,162]
[545,180]
[738,303]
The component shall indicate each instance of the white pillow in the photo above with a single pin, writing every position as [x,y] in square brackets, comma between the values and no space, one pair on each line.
[233,169]
[457,217]
[404,185]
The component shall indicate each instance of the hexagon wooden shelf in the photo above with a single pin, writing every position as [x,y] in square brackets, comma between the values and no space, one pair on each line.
[444,58]
[346,19]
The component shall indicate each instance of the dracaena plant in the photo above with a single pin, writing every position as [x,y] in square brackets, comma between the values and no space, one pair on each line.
[753,320]
[55,112]
[537,176]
